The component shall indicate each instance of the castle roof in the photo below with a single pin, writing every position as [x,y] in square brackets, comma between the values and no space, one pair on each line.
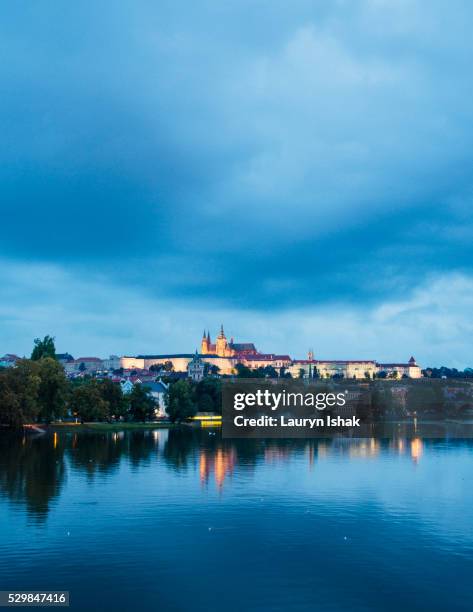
[334,361]
[243,346]
[267,357]
[166,356]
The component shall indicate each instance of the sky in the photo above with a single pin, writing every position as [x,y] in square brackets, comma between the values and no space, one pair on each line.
[300,172]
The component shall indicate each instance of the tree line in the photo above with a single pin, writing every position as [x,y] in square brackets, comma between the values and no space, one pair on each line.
[37,391]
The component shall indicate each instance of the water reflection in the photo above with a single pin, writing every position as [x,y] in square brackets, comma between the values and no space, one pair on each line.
[34,468]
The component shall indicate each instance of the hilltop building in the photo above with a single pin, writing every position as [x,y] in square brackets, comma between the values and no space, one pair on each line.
[222,348]
[226,354]
[83,364]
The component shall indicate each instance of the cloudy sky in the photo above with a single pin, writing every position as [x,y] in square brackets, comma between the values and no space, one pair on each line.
[300,171]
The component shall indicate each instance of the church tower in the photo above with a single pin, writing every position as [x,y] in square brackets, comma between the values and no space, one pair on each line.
[221,344]
[204,345]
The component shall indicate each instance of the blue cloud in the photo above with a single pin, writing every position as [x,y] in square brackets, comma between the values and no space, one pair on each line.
[247,156]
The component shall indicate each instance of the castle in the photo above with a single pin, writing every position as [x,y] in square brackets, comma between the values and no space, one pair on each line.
[224,355]
[222,348]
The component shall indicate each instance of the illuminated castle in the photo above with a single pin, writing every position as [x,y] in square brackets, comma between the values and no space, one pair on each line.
[225,356]
[223,348]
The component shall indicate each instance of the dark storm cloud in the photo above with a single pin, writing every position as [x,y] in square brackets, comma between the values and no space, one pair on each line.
[250,154]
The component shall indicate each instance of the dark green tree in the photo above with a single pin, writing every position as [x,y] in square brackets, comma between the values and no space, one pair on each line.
[19,394]
[180,403]
[208,395]
[142,405]
[88,404]
[205,404]
[112,393]
[269,372]
[52,392]
[242,371]
[43,348]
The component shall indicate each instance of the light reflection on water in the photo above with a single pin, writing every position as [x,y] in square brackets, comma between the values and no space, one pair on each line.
[182,519]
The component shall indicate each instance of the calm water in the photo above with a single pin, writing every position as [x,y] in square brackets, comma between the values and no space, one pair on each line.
[186,521]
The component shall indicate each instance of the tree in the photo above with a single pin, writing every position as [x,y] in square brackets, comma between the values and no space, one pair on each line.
[52,390]
[180,403]
[88,404]
[242,371]
[168,366]
[112,393]
[19,394]
[82,367]
[301,372]
[43,348]
[142,406]
[267,372]
[208,395]
[156,367]
[214,370]
[205,403]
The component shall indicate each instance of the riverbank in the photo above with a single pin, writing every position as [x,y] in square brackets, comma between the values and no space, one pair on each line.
[105,427]
[96,427]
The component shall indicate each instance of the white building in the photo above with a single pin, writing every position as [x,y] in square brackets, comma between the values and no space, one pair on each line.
[196,368]
[158,392]
[112,363]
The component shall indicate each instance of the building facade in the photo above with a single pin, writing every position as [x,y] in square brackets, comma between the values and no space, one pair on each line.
[226,354]
[196,368]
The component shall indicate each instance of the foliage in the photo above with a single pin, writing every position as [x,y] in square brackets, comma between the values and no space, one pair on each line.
[169,366]
[243,371]
[43,348]
[208,395]
[112,393]
[444,372]
[88,404]
[142,406]
[52,392]
[19,393]
[31,391]
[180,403]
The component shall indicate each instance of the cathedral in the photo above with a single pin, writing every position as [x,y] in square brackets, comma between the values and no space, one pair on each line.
[223,348]
[225,355]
